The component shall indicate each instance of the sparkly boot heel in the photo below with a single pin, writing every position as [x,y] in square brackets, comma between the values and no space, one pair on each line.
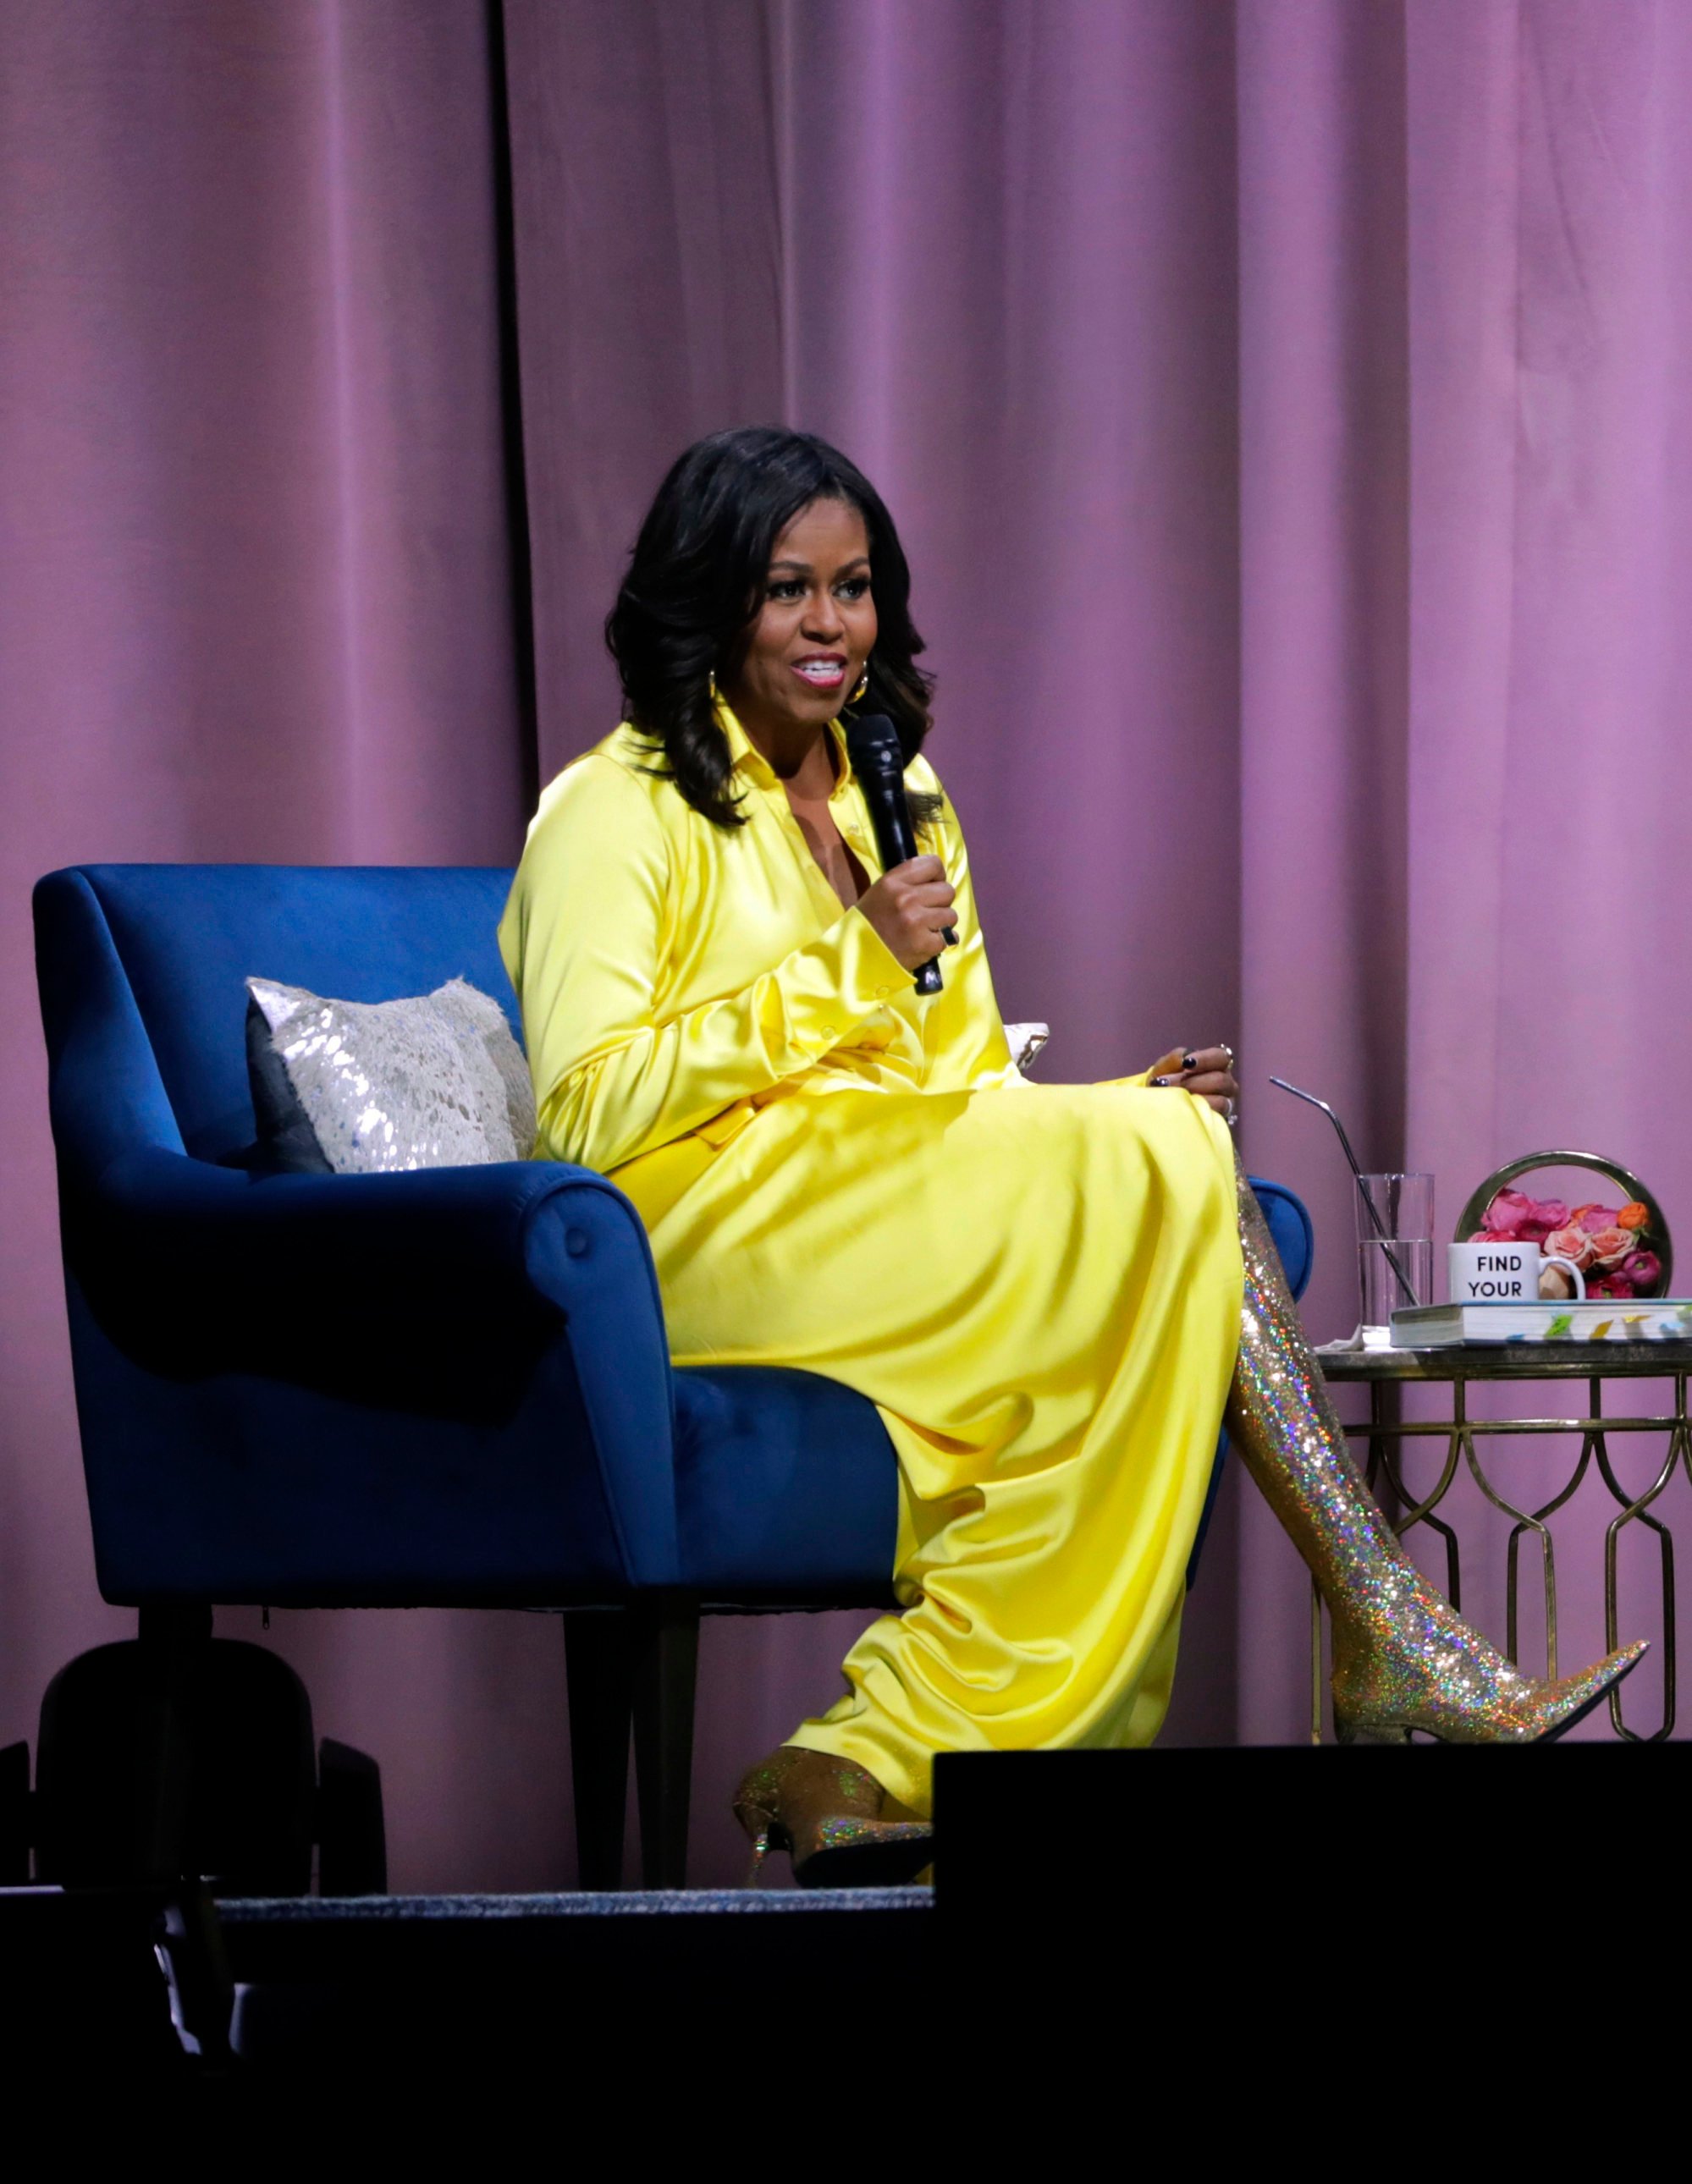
[1403,1657]
[826,1813]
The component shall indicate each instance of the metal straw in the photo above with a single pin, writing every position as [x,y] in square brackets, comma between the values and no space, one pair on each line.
[1370,1206]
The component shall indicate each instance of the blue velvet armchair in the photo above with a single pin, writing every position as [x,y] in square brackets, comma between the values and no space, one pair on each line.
[443,1387]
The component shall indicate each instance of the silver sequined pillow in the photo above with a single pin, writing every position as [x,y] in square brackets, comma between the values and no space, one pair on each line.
[434,1081]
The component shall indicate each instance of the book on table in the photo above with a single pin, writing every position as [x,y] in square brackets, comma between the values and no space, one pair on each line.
[1604,1319]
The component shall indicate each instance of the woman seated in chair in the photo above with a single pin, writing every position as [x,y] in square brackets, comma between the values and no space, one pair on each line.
[1053,1293]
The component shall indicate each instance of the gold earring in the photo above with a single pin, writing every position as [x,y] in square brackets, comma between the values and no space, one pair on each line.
[710,685]
[863,686]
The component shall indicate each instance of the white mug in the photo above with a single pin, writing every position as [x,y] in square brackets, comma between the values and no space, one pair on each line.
[1502,1273]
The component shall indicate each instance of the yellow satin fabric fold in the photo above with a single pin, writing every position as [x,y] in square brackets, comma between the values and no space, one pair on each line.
[1038,1285]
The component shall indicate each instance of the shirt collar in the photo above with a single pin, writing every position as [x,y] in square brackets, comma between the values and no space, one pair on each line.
[746,757]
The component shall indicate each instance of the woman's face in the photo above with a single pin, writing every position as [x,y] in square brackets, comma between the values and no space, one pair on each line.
[816,627]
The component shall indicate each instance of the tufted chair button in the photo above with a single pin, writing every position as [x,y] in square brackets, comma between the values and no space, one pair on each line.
[576,1243]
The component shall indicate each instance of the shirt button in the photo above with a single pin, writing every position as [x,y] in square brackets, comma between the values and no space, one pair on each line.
[828,1031]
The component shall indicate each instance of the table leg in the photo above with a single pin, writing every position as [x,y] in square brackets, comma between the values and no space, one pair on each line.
[1638,1509]
[1386,1408]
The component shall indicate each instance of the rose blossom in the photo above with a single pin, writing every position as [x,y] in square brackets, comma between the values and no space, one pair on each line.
[1592,1218]
[1507,1211]
[1644,1269]
[1570,1244]
[1552,1211]
[1610,1246]
[1534,1231]
[1634,1216]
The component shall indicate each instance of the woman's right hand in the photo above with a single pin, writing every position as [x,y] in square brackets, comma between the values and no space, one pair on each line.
[911,907]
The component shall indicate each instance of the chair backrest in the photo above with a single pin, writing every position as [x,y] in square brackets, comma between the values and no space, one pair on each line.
[186,936]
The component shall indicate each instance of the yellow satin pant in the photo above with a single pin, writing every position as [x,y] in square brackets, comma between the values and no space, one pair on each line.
[1039,1288]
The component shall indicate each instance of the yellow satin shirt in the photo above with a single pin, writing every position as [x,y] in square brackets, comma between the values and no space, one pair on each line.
[676,976]
[1038,1285]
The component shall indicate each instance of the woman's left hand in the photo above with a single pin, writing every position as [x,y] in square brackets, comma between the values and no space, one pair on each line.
[1207,1072]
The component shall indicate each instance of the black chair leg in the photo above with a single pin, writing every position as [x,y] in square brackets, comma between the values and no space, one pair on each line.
[598,1666]
[173,1643]
[666,1662]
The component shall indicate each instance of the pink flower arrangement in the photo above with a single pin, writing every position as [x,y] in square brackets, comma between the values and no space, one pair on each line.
[1609,1244]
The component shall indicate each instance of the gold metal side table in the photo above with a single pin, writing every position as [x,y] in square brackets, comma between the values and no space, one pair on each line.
[1388,1372]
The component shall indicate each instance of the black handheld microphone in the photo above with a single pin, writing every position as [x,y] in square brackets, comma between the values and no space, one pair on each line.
[878,761]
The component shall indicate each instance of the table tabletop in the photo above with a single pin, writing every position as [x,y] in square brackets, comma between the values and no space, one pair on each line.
[1513,1361]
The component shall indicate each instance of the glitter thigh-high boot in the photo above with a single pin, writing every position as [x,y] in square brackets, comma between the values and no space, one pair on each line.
[1403,1657]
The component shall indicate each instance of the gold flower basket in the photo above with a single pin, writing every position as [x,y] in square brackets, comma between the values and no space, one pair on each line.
[1651,1234]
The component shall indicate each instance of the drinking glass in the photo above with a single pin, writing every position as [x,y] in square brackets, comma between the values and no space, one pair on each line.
[1395,1247]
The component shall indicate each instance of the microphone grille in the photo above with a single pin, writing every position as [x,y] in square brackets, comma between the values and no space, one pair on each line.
[875,741]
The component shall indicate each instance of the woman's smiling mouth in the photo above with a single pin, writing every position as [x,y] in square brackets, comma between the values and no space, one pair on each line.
[823,671]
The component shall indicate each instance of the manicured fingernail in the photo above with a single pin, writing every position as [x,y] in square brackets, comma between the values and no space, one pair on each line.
[1160,1080]
[1189,1062]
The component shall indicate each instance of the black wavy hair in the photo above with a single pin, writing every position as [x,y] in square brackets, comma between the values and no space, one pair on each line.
[696,584]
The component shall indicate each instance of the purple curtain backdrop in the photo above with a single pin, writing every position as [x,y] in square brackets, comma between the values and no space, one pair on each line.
[1286,407]
[255,603]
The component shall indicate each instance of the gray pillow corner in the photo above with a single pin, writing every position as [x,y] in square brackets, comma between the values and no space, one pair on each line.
[430,1080]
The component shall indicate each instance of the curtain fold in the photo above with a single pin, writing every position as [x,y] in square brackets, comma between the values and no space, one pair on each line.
[255,603]
[1323,603]
[1549,216]
[649,291]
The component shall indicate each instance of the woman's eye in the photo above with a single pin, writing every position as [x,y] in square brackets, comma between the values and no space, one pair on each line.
[788,587]
[853,588]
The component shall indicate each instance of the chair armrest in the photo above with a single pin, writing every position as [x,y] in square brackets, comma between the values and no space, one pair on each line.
[434,1290]
[420,1362]
[495,1296]
[1289,1225]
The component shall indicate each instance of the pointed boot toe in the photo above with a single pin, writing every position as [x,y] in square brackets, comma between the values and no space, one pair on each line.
[1565,1703]
[1477,1702]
